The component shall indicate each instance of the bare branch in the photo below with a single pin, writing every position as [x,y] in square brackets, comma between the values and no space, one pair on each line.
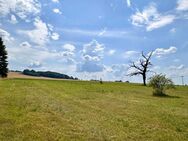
[135,73]
[142,67]
[136,67]
[144,56]
[142,63]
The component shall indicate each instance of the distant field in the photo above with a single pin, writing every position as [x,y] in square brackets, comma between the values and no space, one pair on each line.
[50,110]
[21,75]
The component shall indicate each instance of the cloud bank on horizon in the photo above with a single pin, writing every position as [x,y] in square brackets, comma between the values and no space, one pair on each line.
[96,39]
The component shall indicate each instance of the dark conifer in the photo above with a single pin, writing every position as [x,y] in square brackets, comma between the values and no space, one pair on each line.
[3,60]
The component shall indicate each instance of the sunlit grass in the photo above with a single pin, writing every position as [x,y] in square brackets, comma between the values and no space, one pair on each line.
[72,110]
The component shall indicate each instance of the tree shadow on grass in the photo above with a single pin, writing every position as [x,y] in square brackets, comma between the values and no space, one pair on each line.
[166,96]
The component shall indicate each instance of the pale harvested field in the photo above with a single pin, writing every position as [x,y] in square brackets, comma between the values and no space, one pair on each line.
[20,75]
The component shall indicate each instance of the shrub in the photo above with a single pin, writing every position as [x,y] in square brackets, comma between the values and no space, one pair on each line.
[160,83]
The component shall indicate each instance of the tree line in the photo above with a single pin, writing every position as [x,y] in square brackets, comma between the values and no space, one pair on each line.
[49,74]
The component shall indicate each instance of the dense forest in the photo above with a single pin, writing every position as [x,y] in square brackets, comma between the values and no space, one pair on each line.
[49,74]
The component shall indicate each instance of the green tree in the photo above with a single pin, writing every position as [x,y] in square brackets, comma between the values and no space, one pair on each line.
[160,83]
[3,60]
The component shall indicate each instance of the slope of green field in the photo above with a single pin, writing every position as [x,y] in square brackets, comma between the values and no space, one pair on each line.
[47,110]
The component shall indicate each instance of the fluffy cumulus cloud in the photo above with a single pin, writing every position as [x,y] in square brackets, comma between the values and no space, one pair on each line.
[27,55]
[35,64]
[92,54]
[57,11]
[182,5]
[162,21]
[69,47]
[94,49]
[5,35]
[24,9]
[68,54]
[13,19]
[159,52]
[151,18]
[55,36]
[40,34]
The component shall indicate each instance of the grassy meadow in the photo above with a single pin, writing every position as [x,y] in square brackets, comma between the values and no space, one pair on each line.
[50,110]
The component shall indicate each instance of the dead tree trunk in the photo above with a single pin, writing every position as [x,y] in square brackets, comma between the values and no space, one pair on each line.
[142,67]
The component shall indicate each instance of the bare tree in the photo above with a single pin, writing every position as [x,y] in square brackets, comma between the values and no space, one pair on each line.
[142,67]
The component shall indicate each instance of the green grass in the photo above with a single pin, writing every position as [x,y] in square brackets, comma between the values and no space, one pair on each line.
[46,110]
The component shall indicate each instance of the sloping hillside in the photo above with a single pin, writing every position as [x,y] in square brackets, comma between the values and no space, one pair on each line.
[21,75]
[43,110]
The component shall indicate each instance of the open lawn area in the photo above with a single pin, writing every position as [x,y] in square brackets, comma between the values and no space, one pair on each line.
[50,110]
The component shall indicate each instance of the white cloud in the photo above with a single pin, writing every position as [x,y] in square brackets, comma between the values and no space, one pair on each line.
[176,71]
[182,5]
[69,47]
[92,55]
[141,18]
[50,27]
[90,67]
[5,35]
[162,51]
[68,54]
[28,55]
[25,45]
[111,52]
[35,64]
[93,49]
[55,36]
[128,3]
[131,54]
[151,18]
[180,67]
[25,53]
[91,58]
[173,30]
[13,19]
[102,32]
[57,11]
[24,9]
[119,70]
[40,35]
[56,1]
[160,22]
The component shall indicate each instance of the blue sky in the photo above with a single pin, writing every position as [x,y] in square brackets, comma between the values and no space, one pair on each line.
[93,39]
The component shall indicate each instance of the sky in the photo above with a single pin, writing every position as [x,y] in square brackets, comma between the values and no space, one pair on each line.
[93,39]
